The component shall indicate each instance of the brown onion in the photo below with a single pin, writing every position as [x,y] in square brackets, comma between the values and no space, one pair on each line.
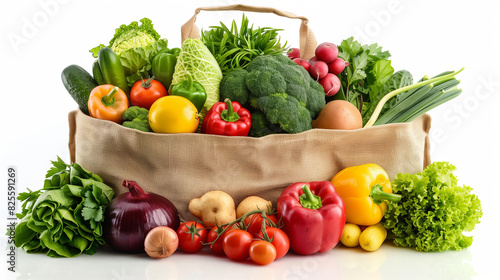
[161,242]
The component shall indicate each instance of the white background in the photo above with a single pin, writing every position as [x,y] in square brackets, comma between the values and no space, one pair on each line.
[40,38]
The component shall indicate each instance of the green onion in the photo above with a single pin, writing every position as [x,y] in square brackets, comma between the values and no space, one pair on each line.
[417,99]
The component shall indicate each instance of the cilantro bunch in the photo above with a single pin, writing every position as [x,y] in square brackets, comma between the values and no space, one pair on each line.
[434,211]
[64,218]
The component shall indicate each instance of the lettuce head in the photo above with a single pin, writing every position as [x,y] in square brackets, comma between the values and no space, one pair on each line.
[136,45]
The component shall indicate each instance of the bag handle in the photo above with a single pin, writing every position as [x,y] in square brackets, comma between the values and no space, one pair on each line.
[306,36]
[72,134]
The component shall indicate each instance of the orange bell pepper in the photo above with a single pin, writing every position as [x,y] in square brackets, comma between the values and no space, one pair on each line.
[364,189]
[108,102]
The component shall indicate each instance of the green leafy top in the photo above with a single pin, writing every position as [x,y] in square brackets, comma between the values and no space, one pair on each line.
[136,45]
[236,47]
[434,211]
[368,70]
[131,36]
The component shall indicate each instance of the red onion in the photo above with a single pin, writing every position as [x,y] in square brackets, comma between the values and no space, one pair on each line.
[133,214]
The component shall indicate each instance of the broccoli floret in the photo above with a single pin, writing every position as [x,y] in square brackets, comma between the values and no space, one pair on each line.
[264,81]
[259,125]
[233,86]
[136,117]
[285,111]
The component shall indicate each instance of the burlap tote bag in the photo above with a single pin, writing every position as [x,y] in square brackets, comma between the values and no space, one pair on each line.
[185,166]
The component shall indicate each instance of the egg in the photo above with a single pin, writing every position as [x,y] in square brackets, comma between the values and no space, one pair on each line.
[339,114]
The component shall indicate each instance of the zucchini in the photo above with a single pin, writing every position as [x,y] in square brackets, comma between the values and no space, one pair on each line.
[112,69]
[79,83]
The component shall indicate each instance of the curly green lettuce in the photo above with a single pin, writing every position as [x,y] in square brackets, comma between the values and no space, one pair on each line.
[434,211]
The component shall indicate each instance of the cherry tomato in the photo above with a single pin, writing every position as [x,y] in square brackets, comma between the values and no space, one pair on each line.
[192,236]
[254,223]
[145,92]
[236,244]
[279,239]
[262,252]
[212,235]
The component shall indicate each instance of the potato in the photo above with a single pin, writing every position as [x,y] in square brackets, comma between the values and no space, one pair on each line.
[213,208]
[253,203]
[339,114]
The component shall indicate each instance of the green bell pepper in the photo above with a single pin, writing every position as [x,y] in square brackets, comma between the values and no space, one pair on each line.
[163,65]
[192,90]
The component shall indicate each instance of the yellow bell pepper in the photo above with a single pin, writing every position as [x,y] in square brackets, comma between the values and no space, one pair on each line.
[364,189]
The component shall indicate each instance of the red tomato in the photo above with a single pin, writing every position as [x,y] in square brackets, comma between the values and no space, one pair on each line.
[144,93]
[212,235]
[279,239]
[262,252]
[192,236]
[254,223]
[236,244]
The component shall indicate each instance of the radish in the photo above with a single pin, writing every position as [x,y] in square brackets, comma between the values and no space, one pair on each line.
[326,52]
[312,60]
[331,84]
[337,66]
[293,53]
[318,70]
[302,62]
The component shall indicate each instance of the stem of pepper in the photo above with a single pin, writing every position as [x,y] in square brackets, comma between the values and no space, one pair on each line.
[189,82]
[109,99]
[229,115]
[378,195]
[309,200]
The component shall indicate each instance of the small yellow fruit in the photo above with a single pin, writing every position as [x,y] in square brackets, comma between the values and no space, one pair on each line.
[372,237]
[173,114]
[350,236]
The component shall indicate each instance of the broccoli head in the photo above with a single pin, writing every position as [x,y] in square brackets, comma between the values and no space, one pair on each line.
[233,86]
[137,118]
[282,94]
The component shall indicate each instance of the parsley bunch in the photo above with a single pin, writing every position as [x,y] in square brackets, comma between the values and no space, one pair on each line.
[64,218]
[434,210]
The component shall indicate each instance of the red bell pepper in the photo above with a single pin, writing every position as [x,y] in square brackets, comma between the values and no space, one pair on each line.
[227,118]
[313,216]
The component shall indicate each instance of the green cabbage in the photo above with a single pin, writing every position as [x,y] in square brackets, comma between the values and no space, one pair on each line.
[197,60]
[433,211]
[136,45]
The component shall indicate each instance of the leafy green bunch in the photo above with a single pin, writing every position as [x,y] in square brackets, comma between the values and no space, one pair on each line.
[136,45]
[434,211]
[64,218]
[236,47]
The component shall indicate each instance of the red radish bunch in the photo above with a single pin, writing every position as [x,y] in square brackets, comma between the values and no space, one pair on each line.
[323,67]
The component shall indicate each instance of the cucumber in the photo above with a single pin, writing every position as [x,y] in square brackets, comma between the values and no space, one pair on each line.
[96,71]
[112,69]
[79,83]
